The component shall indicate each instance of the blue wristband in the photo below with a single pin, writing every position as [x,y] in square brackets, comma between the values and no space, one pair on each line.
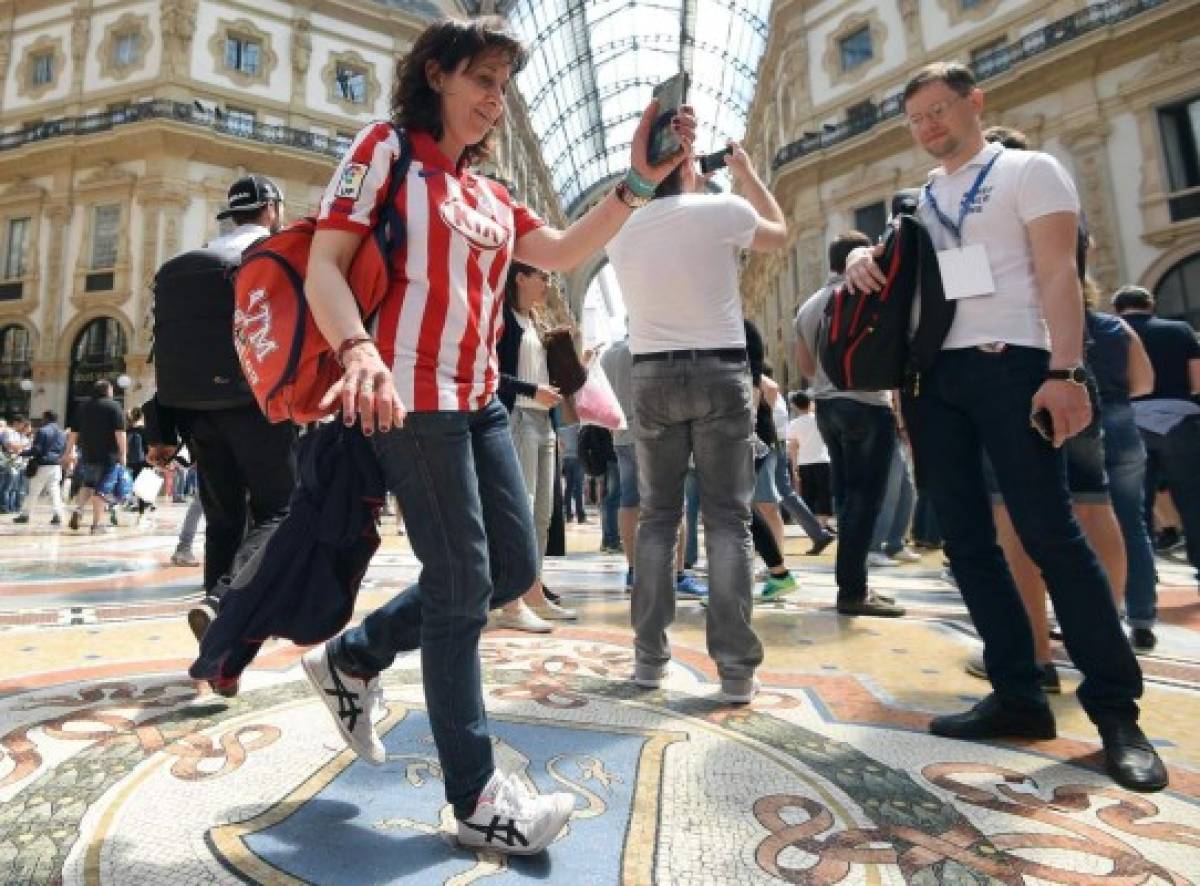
[641,187]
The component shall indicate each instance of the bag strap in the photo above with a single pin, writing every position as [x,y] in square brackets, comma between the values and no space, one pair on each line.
[391,231]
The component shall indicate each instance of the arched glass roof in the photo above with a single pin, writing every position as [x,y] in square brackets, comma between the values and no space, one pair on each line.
[593,64]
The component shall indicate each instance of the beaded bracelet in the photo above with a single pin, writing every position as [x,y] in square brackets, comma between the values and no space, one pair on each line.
[641,187]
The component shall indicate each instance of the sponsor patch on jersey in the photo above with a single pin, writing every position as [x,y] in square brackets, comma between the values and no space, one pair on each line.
[482,232]
[353,177]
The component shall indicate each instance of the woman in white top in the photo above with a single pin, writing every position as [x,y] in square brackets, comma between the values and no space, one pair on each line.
[526,390]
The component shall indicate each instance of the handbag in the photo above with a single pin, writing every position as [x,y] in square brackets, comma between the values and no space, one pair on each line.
[566,371]
[31,468]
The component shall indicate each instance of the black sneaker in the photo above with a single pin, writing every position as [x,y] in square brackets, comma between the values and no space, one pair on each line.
[1167,539]
[76,517]
[21,518]
[1142,640]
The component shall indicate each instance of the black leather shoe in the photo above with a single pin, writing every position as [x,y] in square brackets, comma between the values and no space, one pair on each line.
[873,604]
[1142,640]
[1131,760]
[993,718]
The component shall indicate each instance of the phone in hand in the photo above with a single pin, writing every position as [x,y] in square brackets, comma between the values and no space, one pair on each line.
[1043,423]
[714,161]
[671,95]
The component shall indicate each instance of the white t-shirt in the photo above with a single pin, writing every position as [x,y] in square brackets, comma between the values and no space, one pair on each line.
[239,238]
[676,261]
[779,412]
[531,362]
[810,445]
[1022,186]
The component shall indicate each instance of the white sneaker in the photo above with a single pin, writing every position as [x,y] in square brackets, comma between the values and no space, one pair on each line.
[510,819]
[353,709]
[907,555]
[879,558]
[551,611]
[523,619]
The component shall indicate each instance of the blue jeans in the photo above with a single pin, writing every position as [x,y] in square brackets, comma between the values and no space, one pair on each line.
[572,474]
[790,499]
[1125,462]
[610,536]
[860,440]
[973,401]
[896,512]
[1174,456]
[456,477]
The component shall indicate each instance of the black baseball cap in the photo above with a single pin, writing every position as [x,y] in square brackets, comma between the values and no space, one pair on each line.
[905,202]
[250,193]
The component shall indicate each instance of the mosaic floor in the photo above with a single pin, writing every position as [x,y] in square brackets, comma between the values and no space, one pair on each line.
[116,769]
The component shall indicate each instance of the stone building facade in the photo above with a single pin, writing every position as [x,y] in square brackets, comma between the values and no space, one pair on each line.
[1111,88]
[122,125]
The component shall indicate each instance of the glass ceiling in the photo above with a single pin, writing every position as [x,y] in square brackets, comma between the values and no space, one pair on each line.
[593,64]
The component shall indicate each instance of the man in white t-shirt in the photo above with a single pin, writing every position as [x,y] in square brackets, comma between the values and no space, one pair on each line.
[677,263]
[1005,225]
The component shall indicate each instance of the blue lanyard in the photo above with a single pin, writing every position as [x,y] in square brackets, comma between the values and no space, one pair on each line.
[967,201]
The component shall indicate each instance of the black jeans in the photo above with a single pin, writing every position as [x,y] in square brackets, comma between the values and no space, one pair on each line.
[972,402]
[247,470]
[860,439]
[1175,457]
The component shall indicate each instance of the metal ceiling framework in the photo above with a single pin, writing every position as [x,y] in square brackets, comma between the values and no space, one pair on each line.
[593,64]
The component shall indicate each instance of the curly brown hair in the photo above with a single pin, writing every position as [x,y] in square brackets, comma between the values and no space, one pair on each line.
[415,105]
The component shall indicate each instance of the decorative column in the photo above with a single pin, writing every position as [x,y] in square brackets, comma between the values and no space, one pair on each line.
[178,29]
[80,34]
[58,219]
[1088,145]
[301,57]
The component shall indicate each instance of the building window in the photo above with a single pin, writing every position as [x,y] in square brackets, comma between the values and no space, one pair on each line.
[968,5]
[127,49]
[239,121]
[106,223]
[15,357]
[243,55]
[15,245]
[351,84]
[41,69]
[871,219]
[1177,295]
[1180,127]
[856,48]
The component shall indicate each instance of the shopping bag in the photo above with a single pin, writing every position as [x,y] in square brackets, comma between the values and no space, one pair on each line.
[147,485]
[595,402]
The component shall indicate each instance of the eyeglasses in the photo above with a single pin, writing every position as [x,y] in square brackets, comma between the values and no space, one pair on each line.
[935,113]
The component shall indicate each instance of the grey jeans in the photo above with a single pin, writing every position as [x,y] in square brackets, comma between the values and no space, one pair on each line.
[698,407]
[533,438]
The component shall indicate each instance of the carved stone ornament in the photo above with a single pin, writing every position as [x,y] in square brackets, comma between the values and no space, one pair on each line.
[831,61]
[352,61]
[243,29]
[42,46]
[301,45]
[128,24]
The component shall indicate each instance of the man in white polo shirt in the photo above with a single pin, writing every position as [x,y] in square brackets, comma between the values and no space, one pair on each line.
[677,263]
[1010,382]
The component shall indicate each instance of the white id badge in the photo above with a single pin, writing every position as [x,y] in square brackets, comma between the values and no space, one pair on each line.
[966,272]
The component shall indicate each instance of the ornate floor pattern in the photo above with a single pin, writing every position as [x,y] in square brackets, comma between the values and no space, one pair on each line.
[116,769]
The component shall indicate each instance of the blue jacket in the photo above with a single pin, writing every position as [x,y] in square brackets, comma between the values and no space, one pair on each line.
[49,444]
[302,581]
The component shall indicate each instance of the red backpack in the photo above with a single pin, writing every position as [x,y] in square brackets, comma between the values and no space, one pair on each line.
[286,360]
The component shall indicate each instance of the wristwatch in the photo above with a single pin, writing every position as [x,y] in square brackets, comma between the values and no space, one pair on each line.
[1074,374]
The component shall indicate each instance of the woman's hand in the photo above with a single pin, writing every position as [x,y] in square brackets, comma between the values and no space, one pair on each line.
[548,396]
[367,391]
[684,126]
[862,271]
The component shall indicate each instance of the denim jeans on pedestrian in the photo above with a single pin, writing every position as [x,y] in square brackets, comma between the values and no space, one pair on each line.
[191,522]
[973,401]
[1125,463]
[456,477]
[1175,457]
[572,495]
[896,511]
[790,500]
[610,534]
[691,507]
[860,439]
[695,407]
[533,437]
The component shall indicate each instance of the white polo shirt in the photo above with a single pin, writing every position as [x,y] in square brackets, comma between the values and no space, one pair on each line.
[1022,186]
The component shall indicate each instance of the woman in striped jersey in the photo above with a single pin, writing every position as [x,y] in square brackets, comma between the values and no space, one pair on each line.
[424,375]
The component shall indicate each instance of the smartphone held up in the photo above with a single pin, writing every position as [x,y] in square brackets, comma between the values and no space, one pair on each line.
[671,95]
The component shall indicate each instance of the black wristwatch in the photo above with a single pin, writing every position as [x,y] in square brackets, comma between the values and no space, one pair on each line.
[1074,374]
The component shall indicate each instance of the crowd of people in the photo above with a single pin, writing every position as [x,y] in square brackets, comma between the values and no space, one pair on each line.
[450,386]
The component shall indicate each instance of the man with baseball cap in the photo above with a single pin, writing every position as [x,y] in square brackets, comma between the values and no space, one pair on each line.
[247,466]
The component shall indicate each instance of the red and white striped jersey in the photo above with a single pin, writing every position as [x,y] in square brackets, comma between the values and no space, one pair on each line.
[439,324]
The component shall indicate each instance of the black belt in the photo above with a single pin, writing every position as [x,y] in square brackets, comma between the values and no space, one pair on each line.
[729,355]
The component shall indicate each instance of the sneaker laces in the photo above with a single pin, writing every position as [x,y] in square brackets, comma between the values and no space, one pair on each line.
[347,699]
